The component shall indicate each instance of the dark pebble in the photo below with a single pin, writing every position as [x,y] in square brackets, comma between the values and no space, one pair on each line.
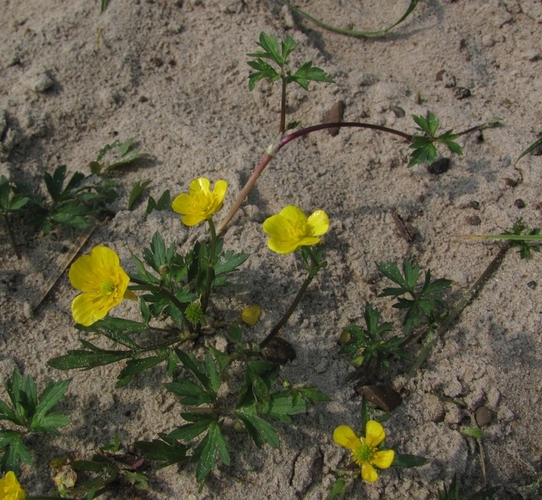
[519,203]
[510,182]
[334,115]
[483,416]
[461,93]
[439,167]
[532,285]
[383,396]
[279,351]
[399,112]
[473,220]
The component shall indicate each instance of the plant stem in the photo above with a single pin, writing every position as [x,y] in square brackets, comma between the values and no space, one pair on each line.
[285,140]
[12,237]
[458,308]
[315,266]
[210,269]
[143,285]
[282,126]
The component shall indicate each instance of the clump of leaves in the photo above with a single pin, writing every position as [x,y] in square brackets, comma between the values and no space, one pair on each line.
[31,413]
[424,300]
[271,51]
[119,154]
[423,146]
[368,346]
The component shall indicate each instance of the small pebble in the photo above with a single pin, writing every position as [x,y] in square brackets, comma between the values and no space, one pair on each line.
[383,396]
[532,285]
[398,111]
[334,115]
[473,220]
[483,416]
[510,182]
[519,203]
[462,93]
[279,351]
[439,167]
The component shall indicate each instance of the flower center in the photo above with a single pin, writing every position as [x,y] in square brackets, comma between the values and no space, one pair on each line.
[107,287]
[362,454]
[204,203]
[297,229]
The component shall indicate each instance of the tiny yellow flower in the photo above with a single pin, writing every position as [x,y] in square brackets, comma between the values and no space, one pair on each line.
[364,450]
[291,229]
[201,203]
[103,282]
[251,315]
[10,489]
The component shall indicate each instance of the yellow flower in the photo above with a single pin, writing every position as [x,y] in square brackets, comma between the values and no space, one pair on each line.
[291,229]
[103,282]
[251,315]
[10,489]
[364,450]
[201,203]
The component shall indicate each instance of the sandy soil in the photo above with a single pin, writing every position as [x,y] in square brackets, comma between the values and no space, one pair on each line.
[173,75]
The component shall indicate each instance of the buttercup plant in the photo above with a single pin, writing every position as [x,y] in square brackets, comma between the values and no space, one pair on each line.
[239,388]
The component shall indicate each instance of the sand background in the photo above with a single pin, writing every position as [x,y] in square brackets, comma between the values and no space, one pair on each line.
[173,76]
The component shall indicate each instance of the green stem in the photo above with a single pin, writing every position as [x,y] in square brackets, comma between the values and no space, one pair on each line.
[143,285]
[282,126]
[458,308]
[312,271]
[12,237]
[211,269]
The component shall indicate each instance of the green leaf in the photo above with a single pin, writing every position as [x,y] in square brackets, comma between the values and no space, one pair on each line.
[190,362]
[87,359]
[6,413]
[263,70]
[473,432]
[424,151]
[229,261]
[234,333]
[51,395]
[4,193]
[168,451]
[212,445]
[137,188]
[15,452]
[190,393]
[259,430]
[212,372]
[190,431]
[532,147]
[308,73]
[405,460]
[54,183]
[338,490]
[135,366]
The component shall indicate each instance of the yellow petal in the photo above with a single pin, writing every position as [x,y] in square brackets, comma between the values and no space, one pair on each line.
[282,247]
[346,437]
[200,185]
[89,271]
[128,294]
[87,308]
[374,433]
[191,220]
[318,223]
[181,204]
[10,489]
[220,191]
[277,226]
[251,315]
[368,473]
[383,459]
[308,241]
[293,213]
